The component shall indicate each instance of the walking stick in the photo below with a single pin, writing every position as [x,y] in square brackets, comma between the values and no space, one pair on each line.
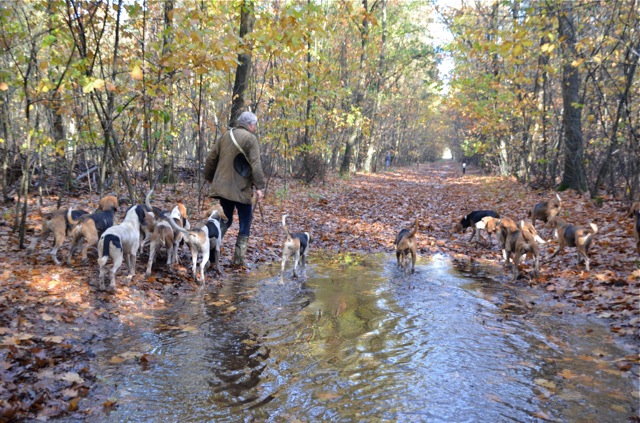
[259,208]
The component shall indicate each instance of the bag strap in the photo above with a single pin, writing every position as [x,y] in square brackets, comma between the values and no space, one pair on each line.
[237,145]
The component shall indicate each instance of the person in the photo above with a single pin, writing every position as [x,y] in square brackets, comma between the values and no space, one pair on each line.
[387,160]
[234,190]
[464,168]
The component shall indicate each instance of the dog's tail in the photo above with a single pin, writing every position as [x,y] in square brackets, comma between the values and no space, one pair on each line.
[414,231]
[106,242]
[147,201]
[284,225]
[174,225]
[70,218]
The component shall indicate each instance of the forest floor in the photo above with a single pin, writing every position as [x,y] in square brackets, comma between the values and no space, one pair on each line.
[50,315]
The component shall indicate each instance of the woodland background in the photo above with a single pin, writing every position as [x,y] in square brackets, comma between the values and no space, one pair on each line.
[111,96]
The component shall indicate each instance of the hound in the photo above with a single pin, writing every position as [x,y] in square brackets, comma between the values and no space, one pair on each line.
[296,245]
[203,240]
[119,242]
[406,245]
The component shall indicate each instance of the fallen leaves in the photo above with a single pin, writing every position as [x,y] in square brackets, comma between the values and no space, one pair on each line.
[361,214]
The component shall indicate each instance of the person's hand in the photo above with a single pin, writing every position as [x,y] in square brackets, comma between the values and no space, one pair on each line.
[259,195]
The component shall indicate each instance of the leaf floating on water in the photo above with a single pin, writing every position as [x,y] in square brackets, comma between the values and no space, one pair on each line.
[73,404]
[109,403]
[624,367]
[72,377]
[116,359]
[546,383]
[328,396]
[542,415]
[147,358]
[69,393]
[494,398]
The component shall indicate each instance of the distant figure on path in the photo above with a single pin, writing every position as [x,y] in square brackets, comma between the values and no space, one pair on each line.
[387,160]
[464,168]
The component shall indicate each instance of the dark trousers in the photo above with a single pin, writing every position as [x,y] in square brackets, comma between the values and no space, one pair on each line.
[245,215]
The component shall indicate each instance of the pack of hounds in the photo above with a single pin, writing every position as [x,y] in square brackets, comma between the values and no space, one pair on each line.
[162,229]
[145,224]
[518,239]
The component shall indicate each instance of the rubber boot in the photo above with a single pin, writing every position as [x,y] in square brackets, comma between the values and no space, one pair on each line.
[241,249]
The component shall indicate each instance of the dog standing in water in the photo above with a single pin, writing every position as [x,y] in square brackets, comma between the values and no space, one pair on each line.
[296,245]
[406,246]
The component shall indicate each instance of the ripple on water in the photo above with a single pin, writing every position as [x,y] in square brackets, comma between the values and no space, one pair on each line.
[362,341]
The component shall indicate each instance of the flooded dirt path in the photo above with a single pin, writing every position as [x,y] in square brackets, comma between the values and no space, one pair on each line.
[355,340]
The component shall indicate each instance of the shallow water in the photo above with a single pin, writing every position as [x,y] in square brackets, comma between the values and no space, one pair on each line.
[355,340]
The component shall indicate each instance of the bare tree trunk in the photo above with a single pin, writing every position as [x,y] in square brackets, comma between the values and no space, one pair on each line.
[574,176]
[243,71]
[631,62]
[373,140]
[355,133]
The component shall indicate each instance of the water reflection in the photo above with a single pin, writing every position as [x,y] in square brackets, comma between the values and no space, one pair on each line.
[359,341]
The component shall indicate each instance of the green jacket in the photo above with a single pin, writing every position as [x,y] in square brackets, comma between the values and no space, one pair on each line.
[225,181]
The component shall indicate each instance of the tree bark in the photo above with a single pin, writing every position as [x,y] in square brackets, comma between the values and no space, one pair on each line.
[574,176]
[357,128]
[243,71]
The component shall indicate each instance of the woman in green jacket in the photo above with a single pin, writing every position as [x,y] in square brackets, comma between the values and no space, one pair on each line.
[233,167]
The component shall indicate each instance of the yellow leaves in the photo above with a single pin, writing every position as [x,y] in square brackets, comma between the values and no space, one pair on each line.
[96,84]
[547,48]
[221,64]
[545,383]
[3,86]
[518,49]
[136,73]
[576,63]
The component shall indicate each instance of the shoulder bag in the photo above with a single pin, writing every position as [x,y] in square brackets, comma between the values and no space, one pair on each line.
[240,162]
